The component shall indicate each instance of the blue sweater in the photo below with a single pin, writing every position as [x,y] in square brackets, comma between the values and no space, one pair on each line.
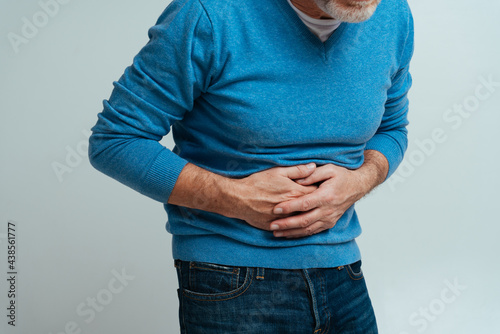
[245,86]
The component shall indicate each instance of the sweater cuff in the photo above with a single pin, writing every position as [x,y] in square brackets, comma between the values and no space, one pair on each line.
[162,175]
[389,148]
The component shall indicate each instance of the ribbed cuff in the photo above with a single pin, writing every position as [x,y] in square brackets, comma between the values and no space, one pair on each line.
[389,147]
[161,177]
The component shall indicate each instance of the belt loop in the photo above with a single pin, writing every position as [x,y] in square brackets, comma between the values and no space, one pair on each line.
[260,274]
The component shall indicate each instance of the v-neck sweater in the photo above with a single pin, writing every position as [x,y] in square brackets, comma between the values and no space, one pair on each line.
[322,28]
[245,86]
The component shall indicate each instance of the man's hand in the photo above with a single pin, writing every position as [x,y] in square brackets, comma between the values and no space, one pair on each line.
[257,194]
[251,199]
[339,190]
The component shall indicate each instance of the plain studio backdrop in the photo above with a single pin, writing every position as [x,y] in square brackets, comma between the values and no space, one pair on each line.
[93,256]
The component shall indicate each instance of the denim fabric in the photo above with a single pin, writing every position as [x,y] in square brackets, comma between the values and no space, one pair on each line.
[217,298]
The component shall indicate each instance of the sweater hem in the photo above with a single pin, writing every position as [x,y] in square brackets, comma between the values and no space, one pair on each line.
[225,251]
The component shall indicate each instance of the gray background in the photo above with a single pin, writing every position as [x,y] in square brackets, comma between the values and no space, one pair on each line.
[433,225]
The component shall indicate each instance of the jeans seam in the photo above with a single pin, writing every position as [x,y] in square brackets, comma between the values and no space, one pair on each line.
[215,297]
[235,280]
[323,284]
[352,275]
[181,303]
[310,287]
[324,323]
[212,269]
[260,273]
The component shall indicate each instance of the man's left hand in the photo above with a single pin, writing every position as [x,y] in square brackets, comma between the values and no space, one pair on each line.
[340,188]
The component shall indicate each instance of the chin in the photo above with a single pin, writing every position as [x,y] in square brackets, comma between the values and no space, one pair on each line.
[352,11]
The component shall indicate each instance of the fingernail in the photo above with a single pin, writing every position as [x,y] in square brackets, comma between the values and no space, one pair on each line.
[278,234]
[310,166]
[275,227]
[278,211]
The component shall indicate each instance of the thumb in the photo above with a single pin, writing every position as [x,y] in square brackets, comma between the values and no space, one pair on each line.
[299,171]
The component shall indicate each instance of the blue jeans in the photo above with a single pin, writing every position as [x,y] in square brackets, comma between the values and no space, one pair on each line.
[217,298]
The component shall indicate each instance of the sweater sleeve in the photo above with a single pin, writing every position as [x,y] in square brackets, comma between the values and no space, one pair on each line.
[160,86]
[391,137]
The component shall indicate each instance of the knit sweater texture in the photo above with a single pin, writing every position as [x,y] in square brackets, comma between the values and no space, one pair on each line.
[245,86]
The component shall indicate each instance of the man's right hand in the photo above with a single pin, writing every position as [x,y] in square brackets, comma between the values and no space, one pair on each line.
[257,194]
[251,199]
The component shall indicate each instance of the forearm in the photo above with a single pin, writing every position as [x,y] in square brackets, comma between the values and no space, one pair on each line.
[373,171]
[198,188]
[251,199]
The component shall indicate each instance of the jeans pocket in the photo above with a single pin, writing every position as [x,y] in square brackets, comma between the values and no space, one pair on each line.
[209,281]
[354,270]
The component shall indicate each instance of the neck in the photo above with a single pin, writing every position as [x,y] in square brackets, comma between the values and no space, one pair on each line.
[310,8]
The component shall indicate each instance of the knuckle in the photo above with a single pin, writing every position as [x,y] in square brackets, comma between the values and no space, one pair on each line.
[330,197]
[305,222]
[306,205]
[330,212]
[309,231]
[296,193]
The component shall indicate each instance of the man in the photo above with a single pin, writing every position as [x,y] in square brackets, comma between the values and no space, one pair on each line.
[284,114]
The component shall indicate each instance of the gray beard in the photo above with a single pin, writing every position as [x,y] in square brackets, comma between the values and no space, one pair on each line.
[353,13]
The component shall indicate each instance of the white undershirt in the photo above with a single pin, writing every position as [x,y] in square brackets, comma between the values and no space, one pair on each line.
[322,28]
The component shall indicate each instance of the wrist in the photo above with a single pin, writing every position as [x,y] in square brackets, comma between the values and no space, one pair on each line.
[364,177]
[227,196]
[197,188]
[373,171]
